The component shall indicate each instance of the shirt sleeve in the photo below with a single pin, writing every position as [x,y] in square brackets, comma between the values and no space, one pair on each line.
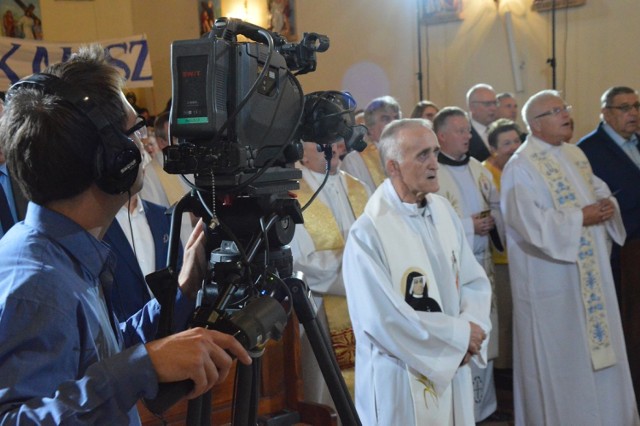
[322,268]
[50,373]
[528,208]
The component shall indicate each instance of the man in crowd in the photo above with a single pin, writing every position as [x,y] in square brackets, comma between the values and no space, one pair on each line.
[482,105]
[508,109]
[139,237]
[418,299]
[507,106]
[469,187]
[317,250]
[366,165]
[70,138]
[570,366]
[612,150]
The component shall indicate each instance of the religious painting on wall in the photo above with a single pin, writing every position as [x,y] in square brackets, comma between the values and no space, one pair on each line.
[20,19]
[282,18]
[542,5]
[439,11]
[209,12]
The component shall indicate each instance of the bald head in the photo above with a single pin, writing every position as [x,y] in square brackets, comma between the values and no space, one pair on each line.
[482,104]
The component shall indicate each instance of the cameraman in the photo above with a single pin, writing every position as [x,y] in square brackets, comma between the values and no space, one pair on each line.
[63,358]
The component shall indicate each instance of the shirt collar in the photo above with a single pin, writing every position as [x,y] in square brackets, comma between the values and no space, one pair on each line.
[480,128]
[407,209]
[542,146]
[90,252]
[617,138]
[3,169]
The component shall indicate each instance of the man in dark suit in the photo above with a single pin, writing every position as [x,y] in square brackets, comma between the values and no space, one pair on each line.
[482,105]
[612,149]
[140,258]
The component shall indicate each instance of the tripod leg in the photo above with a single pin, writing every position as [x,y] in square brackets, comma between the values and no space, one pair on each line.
[245,398]
[322,349]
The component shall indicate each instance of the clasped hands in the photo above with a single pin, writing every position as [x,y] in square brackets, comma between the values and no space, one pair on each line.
[598,212]
[483,223]
[476,337]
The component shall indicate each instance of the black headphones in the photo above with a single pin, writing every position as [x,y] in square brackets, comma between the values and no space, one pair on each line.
[117,156]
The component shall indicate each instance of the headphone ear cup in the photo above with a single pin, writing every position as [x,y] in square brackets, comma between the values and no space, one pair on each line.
[117,156]
[117,161]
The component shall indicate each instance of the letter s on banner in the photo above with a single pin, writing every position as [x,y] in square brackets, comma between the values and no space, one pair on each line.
[20,58]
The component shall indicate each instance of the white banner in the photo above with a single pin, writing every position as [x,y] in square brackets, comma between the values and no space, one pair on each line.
[20,58]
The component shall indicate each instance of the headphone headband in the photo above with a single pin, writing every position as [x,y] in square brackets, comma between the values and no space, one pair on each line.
[117,157]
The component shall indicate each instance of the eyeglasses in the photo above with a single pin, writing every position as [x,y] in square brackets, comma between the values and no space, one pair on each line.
[486,103]
[625,108]
[140,128]
[555,111]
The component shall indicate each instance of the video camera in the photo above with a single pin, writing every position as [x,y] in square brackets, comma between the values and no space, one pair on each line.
[237,109]
[239,115]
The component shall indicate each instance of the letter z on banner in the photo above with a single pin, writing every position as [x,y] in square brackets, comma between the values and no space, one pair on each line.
[20,58]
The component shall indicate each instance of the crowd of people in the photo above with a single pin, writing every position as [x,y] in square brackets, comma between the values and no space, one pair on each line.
[485,245]
[455,246]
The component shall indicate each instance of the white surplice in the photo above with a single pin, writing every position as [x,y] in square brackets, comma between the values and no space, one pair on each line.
[356,167]
[392,338]
[554,379]
[322,269]
[470,190]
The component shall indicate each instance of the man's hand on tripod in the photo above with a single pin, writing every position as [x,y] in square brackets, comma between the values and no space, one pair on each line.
[200,355]
[194,263]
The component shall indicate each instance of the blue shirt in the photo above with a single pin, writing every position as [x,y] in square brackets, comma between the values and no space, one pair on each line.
[62,356]
[629,146]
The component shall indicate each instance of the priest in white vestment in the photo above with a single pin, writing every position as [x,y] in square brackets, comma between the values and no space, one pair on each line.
[366,165]
[317,249]
[570,364]
[418,299]
[469,187]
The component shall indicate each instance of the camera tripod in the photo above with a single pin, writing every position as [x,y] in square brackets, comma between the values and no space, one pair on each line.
[268,321]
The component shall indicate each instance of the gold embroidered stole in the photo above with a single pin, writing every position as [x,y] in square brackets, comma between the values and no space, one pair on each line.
[371,158]
[564,197]
[450,190]
[499,258]
[325,233]
[319,220]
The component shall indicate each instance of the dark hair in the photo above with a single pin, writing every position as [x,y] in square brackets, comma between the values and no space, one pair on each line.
[421,106]
[440,120]
[612,92]
[501,125]
[50,146]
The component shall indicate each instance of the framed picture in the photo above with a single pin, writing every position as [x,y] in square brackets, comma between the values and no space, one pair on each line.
[440,11]
[542,5]
[208,11]
[20,20]
[282,18]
